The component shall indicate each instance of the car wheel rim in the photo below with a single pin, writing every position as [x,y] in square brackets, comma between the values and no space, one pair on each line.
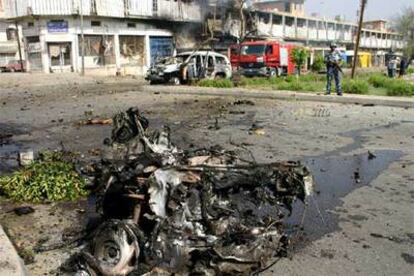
[116,248]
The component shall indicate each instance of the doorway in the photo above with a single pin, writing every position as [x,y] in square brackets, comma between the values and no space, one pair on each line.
[60,55]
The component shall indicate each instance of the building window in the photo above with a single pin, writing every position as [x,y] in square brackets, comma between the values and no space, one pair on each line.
[154,5]
[11,34]
[131,25]
[287,7]
[132,49]
[30,24]
[301,23]
[312,24]
[99,50]
[277,19]
[95,23]
[289,21]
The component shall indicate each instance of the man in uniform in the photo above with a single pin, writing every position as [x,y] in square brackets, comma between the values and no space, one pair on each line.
[332,61]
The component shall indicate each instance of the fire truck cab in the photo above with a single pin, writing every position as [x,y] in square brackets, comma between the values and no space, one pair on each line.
[262,58]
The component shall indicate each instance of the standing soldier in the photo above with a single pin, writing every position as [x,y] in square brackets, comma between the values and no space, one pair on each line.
[403,66]
[332,61]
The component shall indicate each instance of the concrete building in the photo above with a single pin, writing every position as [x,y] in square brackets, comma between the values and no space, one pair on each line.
[126,36]
[294,7]
[122,36]
[8,38]
[317,34]
[379,25]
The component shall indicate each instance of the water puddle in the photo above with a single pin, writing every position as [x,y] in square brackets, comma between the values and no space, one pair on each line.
[8,157]
[9,149]
[336,177]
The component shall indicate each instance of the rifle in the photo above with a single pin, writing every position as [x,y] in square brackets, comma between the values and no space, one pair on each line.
[336,65]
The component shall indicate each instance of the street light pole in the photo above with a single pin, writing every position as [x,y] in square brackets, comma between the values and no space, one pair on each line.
[361,20]
[82,40]
[18,39]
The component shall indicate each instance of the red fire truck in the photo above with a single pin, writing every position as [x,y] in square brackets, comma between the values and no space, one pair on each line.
[262,58]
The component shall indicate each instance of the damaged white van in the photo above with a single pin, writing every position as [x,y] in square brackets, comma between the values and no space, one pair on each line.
[188,66]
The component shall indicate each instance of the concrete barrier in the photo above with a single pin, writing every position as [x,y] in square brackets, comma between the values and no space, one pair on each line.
[10,262]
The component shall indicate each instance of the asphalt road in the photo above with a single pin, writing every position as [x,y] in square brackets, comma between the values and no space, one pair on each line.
[357,224]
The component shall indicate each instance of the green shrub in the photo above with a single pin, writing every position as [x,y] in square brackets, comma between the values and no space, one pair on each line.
[299,56]
[410,70]
[51,178]
[218,83]
[400,88]
[378,80]
[318,64]
[355,87]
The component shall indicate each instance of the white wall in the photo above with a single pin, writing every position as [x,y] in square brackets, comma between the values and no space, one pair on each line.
[111,27]
[171,9]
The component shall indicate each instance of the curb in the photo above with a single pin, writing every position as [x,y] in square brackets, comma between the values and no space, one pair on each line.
[10,262]
[284,95]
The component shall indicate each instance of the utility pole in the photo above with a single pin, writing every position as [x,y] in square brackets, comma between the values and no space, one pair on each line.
[361,20]
[82,40]
[18,39]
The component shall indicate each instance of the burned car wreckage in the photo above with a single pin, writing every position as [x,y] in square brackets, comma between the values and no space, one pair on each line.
[199,212]
[188,66]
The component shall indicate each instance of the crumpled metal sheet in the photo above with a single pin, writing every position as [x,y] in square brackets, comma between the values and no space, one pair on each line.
[194,212]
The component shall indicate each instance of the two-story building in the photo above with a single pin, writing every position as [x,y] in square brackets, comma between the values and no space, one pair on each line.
[123,36]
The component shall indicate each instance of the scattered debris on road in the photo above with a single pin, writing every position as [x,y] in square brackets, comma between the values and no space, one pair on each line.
[23,210]
[5,138]
[167,211]
[371,155]
[256,129]
[95,122]
[26,157]
[244,102]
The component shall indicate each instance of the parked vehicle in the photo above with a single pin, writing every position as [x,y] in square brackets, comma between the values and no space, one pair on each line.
[12,66]
[263,58]
[188,66]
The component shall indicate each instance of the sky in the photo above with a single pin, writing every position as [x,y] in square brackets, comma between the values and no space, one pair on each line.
[376,9]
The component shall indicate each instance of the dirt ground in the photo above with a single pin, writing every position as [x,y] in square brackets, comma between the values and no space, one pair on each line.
[361,226]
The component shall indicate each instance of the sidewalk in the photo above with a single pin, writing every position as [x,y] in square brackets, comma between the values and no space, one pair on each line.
[404,102]
[10,262]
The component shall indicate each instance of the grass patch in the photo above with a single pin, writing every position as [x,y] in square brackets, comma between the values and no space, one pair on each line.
[400,88]
[355,87]
[50,178]
[217,83]
[378,80]
[366,83]
[255,82]
[393,87]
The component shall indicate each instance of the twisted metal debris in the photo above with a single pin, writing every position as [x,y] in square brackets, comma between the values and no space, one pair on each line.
[202,212]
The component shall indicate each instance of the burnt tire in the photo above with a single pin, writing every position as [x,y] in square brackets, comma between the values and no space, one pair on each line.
[115,248]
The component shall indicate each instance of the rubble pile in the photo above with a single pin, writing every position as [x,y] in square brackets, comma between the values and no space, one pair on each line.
[199,212]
